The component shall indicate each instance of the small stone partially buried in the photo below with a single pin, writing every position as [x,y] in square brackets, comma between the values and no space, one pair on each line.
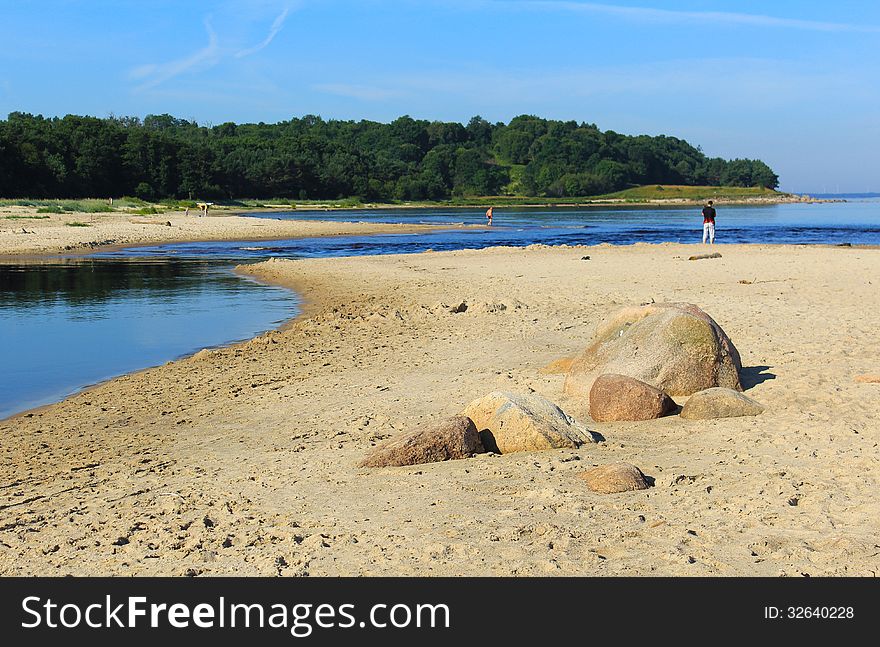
[719,402]
[450,439]
[614,478]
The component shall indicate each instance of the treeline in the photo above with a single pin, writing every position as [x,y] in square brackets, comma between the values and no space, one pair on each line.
[165,157]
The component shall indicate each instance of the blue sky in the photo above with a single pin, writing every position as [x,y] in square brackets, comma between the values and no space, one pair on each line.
[795,83]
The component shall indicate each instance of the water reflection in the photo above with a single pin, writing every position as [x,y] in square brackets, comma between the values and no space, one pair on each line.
[91,281]
[67,324]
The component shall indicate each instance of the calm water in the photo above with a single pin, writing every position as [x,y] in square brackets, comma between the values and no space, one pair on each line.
[855,222]
[67,325]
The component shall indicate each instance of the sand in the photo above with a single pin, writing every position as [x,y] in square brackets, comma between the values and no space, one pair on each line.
[22,234]
[242,461]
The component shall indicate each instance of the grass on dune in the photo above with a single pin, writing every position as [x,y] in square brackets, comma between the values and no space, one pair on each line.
[677,191]
[61,206]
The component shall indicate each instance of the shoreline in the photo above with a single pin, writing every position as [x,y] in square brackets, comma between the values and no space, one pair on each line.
[68,235]
[240,270]
[257,437]
[53,236]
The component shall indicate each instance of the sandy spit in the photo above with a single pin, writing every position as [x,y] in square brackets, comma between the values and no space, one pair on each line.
[241,461]
[55,234]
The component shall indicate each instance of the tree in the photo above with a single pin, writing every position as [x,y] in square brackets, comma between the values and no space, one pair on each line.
[479,131]
[166,157]
[763,175]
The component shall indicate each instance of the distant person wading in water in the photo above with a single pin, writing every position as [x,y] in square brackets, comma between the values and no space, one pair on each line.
[489,215]
[709,223]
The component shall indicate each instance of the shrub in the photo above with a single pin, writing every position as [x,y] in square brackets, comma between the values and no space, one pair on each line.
[349,203]
[87,206]
[98,207]
[144,191]
[129,201]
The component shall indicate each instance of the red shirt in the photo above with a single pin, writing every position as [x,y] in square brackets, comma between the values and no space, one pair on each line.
[708,215]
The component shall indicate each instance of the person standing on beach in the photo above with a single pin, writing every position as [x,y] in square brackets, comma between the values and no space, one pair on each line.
[489,215]
[709,223]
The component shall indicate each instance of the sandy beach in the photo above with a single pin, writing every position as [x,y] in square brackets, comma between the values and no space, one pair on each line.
[83,233]
[242,460]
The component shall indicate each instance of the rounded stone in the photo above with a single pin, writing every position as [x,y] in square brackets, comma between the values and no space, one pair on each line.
[619,397]
[614,478]
[719,402]
[450,439]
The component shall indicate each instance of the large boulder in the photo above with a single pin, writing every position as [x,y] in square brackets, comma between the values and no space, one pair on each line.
[510,422]
[450,439]
[619,397]
[675,347]
[614,478]
[719,402]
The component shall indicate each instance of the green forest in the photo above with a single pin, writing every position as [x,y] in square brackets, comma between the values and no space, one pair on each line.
[162,157]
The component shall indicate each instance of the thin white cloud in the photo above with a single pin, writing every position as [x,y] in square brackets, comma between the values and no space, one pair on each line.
[277,24]
[143,71]
[651,14]
[157,73]
[757,87]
